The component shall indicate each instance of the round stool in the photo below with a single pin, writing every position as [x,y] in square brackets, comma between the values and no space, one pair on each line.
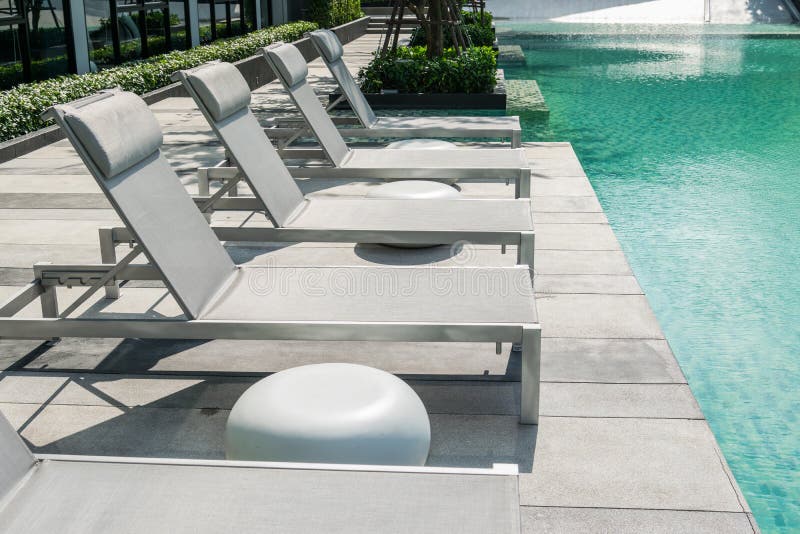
[329,413]
[414,190]
[424,144]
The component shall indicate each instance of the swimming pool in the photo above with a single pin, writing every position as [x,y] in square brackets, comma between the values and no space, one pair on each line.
[691,139]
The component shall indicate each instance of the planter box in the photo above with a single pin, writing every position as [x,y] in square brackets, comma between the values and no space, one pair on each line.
[254,69]
[493,100]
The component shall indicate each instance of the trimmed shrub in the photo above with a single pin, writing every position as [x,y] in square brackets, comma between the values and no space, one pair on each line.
[330,13]
[21,106]
[408,70]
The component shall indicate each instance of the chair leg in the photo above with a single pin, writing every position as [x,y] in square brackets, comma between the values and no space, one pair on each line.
[49,302]
[516,139]
[108,255]
[525,250]
[202,182]
[531,364]
[523,184]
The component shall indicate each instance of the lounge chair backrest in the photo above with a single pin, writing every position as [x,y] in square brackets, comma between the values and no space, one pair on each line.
[223,95]
[15,458]
[119,140]
[290,67]
[330,49]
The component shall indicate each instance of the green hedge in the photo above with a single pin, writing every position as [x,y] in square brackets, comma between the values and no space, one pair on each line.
[21,106]
[330,13]
[408,70]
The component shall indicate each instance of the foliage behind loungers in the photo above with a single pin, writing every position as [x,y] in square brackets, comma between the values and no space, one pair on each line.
[409,70]
[21,106]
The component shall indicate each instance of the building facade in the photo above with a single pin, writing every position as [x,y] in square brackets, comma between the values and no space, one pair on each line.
[44,38]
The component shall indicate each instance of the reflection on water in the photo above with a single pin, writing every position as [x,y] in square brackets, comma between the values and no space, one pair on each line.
[692,142]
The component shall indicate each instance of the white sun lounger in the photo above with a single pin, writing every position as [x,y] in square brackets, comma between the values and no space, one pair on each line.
[119,139]
[380,163]
[223,96]
[331,51]
[46,494]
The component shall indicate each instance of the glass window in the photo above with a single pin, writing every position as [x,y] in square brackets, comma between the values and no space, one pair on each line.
[44,46]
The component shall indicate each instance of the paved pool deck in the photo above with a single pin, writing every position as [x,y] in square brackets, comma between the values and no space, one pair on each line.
[621,446]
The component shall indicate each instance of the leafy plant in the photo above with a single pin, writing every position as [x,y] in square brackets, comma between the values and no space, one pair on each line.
[21,106]
[154,20]
[329,13]
[475,18]
[409,70]
[478,35]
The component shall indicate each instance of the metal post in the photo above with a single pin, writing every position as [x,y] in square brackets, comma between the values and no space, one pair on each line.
[24,44]
[143,29]
[525,252]
[531,375]
[192,23]
[257,21]
[77,36]
[115,30]
[228,26]
[167,28]
[108,254]
[212,9]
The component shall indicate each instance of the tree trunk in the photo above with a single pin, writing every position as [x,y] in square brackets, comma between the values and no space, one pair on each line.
[435,29]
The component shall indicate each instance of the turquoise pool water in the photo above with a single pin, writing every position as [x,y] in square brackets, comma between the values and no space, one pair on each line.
[691,138]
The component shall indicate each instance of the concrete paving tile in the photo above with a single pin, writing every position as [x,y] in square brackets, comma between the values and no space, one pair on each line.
[627,463]
[564,187]
[61,215]
[575,236]
[112,431]
[597,316]
[55,151]
[638,361]
[468,397]
[59,201]
[586,283]
[581,262]
[461,441]
[565,204]
[168,391]
[481,441]
[24,256]
[122,391]
[43,167]
[132,356]
[536,519]
[10,276]
[556,168]
[52,184]
[666,401]
[538,151]
[152,302]
[575,217]
[48,232]
[54,165]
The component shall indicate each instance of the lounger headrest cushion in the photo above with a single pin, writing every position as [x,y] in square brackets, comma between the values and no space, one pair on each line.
[327,44]
[221,87]
[118,132]
[290,63]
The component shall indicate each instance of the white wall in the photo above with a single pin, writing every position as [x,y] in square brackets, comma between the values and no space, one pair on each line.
[643,11]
